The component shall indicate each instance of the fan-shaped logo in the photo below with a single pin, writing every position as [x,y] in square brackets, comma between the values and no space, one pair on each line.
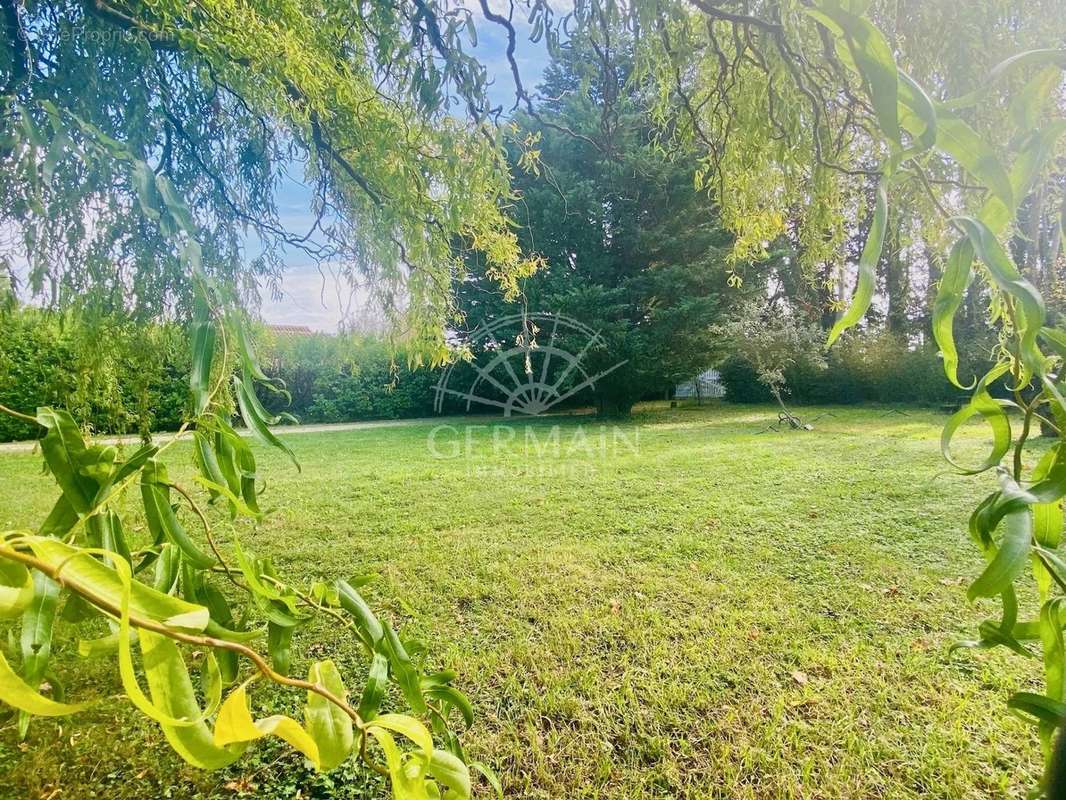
[524,364]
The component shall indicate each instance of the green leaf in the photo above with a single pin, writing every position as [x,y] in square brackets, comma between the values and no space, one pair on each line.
[871,253]
[974,154]
[1047,517]
[1005,274]
[453,773]
[408,777]
[1034,151]
[220,614]
[490,776]
[166,569]
[918,114]
[255,422]
[872,56]
[124,470]
[60,520]
[981,402]
[329,725]
[404,672]
[278,607]
[377,683]
[949,297]
[18,694]
[408,727]
[1027,105]
[162,521]
[279,644]
[1009,559]
[173,694]
[38,621]
[236,726]
[63,450]
[207,464]
[1043,708]
[115,538]
[92,577]
[1054,661]
[147,195]
[238,465]
[369,627]
[203,352]
[16,588]
[453,698]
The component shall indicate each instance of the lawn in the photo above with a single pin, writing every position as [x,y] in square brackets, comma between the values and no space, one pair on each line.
[690,611]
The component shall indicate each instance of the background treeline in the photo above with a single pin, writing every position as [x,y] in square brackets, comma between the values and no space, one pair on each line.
[140,382]
[629,250]
[51,359]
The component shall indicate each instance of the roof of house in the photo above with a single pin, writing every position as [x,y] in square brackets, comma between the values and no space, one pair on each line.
[291,330]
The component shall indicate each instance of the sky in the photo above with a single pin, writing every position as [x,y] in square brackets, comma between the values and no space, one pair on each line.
[311,297]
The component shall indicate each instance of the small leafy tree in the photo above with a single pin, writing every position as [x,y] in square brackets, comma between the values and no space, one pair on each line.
[772,340]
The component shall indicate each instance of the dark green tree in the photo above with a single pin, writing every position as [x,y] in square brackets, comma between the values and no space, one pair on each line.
[631,249]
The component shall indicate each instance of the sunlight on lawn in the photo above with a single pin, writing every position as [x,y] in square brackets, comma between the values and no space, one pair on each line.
[709,614]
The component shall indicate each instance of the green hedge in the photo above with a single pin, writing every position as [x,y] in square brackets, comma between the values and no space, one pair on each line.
[114,376]
[138,382]
[347,378]
[877,368]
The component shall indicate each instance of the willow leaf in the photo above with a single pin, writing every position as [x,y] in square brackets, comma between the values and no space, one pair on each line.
[38,622]
[368,625]
[1007,278]
[872,55]
[255,422]
[1010,557]
[16,588]
[377,683]
[173,694]
[1043,708]
[203,351]
[63,449]
[871,254]
[949,297]
[453,773]
[19,695]
[329,725]
[956,138]
[162,521]
[235,725]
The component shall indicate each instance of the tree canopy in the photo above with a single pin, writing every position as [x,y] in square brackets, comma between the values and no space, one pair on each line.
[142,151]
[113,112]
[630,249]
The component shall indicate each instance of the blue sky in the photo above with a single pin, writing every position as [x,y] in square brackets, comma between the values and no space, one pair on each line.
[314,299]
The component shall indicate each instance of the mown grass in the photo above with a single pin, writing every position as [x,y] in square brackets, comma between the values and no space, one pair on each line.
[712,613]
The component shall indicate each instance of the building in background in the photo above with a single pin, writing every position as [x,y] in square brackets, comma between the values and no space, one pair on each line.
[706,384]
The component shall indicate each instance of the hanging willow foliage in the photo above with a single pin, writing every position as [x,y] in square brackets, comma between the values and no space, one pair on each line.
[795,104]
[155,599]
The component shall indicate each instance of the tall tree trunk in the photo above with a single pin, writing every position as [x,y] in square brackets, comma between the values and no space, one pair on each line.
[897,281]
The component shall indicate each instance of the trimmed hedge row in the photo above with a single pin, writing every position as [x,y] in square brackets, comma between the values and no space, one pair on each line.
[880,369]
[136,383]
